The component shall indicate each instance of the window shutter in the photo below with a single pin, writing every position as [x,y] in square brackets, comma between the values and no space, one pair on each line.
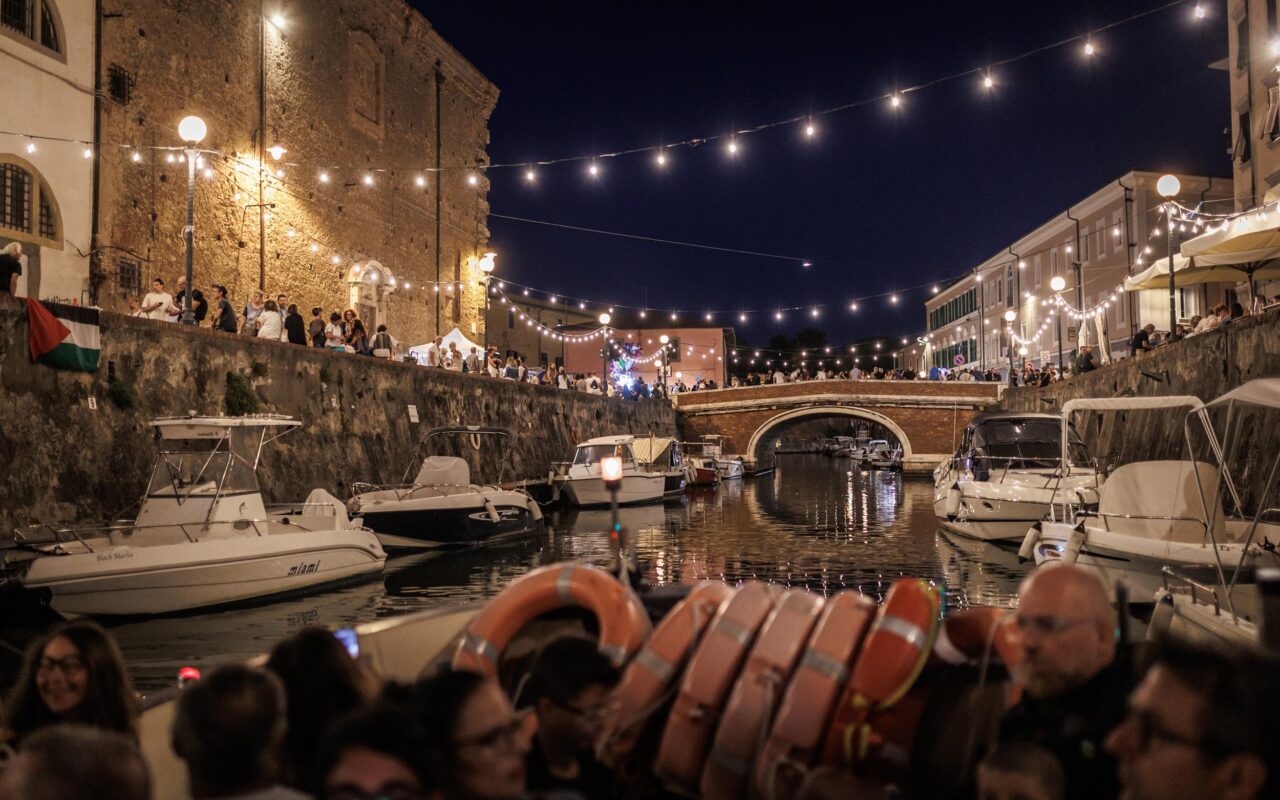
[1237,153]
[1271,129]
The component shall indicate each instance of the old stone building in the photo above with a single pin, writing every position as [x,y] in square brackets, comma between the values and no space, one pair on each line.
[337,129]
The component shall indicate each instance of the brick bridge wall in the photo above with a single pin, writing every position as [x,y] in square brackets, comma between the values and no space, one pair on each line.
[63,461]
[930,414]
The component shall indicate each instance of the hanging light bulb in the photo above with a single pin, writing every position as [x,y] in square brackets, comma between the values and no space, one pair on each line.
[136,157]
[368,180]
[529,175]
[853,306]
[732,147]
[809,130]
[893,298]
[324,177]
[1199,12]
[661,159]
[473,179]
[1089,49]
[988,81]
[315,248]
[31,147]
[88,152]
[419,181]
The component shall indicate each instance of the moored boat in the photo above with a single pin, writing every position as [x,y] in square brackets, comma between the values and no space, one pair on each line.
[664,455]
[579,480]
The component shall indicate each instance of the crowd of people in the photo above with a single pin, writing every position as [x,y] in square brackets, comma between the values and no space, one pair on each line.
[1180,721]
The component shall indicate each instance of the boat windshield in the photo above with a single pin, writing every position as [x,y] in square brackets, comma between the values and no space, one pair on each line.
[202,467]
[1026,442]
[592,453]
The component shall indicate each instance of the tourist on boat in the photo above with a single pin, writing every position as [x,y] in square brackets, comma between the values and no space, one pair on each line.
[1074,687]
[227,727]
[570,688]
[376,752]
[322,683]
[1021,771]
[62,762]
[75,673]
[1201,726]
[476,743]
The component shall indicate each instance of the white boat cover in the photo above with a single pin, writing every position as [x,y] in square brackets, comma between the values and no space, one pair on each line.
[320,502]
[443,471]
[647,449]
[1160,500]
[1260,392]
[1120,404]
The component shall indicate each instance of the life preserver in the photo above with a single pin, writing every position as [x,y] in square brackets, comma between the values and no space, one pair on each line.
[805,712]
[757,692]
[656,668]
[707,680]
[972,635]
[894,653]
[624,624]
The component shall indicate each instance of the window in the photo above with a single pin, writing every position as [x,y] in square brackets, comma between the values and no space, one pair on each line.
[1242,43]
[1084,248]
[365,84]
[1008,285]
[1036,266]
[1271,130]
[20,17]
[511,317]
[1242,152]
[28,210]
[1117,233]
[128,277]
[119,84]
[15,198]
[1053,261]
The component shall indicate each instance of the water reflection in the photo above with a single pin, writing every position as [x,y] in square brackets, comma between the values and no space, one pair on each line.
[816,522]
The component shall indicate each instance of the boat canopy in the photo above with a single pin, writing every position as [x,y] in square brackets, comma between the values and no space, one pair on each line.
[650,449]
[194,427]
[1260,392]
[1121,404]
[443,471]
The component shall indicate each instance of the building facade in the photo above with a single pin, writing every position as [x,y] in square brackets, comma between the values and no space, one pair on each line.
[514,336]
[694,352]
[1093,245]
[1255,100]
[343,166]
[46,196]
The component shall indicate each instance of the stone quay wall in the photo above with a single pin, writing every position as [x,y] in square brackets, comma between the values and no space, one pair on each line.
[75,446]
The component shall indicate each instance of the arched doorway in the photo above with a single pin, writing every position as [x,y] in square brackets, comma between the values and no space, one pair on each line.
[370,286]
[763,433]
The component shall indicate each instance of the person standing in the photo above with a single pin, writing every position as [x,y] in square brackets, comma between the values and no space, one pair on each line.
[335,337]
[199,306]
[359,340]
[384,345]
[295,331]
[252,311]
[282,307]
[10,267]
[224,318]
[269,326]
[434,356]
[316,329]
[453,360]
[1141,342]
[157,302]
[472,362]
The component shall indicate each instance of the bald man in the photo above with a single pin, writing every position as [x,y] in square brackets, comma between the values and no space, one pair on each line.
[1074,690]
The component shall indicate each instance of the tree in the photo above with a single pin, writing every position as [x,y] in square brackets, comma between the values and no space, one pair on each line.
[810,339]
[782,344]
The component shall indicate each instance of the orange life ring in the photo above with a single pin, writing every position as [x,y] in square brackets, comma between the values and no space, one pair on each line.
[760,686]
[805,711]
[707,680]
[970,634]
[895,651]
[657,667]
[624,624]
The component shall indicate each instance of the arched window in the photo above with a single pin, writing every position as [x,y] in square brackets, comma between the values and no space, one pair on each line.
[28,209]
[35,20]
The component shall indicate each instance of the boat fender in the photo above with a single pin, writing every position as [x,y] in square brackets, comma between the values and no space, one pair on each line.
[707,680]
[1027,551]
[953,501]
[804,714]
[492,511]
[892,657]
[1072,552]
[649,679]
[624,624]
[535,510]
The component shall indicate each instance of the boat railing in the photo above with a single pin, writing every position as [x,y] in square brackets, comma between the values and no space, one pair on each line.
[561,468]
[1168,576]
[52,534]
[410,491]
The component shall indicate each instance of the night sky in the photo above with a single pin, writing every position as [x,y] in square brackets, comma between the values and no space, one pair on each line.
[878,200]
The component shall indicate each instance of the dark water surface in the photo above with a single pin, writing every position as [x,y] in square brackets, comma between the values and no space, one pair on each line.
[816,522]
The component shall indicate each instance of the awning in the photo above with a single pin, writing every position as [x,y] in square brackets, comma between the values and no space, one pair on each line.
[1194,271]
[1260,392]
[456,336]
[1249,238]
[647,449]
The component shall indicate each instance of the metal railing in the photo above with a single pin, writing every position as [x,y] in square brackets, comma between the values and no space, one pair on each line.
[1168,574]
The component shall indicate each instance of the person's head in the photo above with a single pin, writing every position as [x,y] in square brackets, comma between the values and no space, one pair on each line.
[317,311]
[439,340]
[1199,726]
[1149,328]
[349,315]
[1021,771]
[322,682]
[335,317]
[476,743]
[219,292]
[157,283]
[1178,330]
[571,687]
[13,249]
[74,673]
[72,760]
[377,751]
[280,298]
[1067,631]
[182,282]
[473,351]
[270,305]
[511,362]
[1237,310]
[383,329]
[293,309]
[226,727]
[256,298]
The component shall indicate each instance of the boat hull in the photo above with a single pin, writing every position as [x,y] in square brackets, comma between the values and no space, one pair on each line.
[164,579]
[590,491]
[451,520]
[1003,520]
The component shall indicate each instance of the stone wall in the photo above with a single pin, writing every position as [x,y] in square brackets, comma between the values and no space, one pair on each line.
[349,89]
[64,460]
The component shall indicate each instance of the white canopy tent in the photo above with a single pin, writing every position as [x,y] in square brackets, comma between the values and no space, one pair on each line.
[419,352]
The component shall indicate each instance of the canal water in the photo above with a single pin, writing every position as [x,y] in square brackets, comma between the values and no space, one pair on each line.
[816,522]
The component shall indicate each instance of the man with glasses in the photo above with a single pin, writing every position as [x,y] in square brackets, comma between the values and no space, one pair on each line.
[571,690]
[1200,725]
[1073,686]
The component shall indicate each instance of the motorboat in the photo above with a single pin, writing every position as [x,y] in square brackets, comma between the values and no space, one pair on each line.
[203,536]
[1008,472]
[730,467]
[882,455]
[440,506]
[580,481]
[700,470]
[664,455]
[1208,519]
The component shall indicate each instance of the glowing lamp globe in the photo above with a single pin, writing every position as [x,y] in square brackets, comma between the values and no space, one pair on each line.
[1168,185]
[1058,283]
[1010,315]
[664,338]
[1022,351]
[486,262]
[611,468]
[604,319]
[192,130]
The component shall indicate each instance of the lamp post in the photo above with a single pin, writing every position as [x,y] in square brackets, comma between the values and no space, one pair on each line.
[1009,317]
[611,474]
[192,130]
[1168,186]
[1057,285]
[604,352]
[486,267]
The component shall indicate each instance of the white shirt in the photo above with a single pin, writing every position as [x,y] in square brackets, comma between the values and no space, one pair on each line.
[967,377]
[453,360]
[269,326]
[778,377]
[162,310]
[333,335]
[433,355]
[855,374]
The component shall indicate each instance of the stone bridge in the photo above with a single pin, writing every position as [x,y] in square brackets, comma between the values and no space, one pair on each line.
[926,417]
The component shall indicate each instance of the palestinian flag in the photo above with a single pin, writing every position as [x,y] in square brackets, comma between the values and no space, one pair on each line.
[66,337]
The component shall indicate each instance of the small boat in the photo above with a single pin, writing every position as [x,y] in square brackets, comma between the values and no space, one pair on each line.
[664,455]
[1199,520]
[203,536]
[730,467]
[1007,474]
[700,470]
[579,480]
[441,506]
[882,455]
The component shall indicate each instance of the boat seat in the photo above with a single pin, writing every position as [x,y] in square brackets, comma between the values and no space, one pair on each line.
[1138,499]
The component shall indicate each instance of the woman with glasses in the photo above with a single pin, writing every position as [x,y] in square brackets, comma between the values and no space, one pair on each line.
[476,742]
[75,673]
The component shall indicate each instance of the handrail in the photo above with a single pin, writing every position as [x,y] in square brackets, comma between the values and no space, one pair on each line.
[78,533]
[1167,573]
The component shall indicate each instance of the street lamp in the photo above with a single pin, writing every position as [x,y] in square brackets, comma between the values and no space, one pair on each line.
[192,130]
[1057,285]
[486,266]
[1009,317]
[611,474]
[604,350]
[1168,186]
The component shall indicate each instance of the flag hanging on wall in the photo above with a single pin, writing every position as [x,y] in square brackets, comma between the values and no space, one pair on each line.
[65,337]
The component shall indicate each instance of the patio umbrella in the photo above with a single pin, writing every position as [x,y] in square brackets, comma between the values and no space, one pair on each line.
[1246,249]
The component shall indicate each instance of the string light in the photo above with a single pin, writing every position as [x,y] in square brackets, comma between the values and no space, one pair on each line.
[88,152]
[988,81]
[31,147]
[473,179]
[661,159]
[732,147]
[895,100]
[809,130]
[419,181]
[529,175]
[368,180]
[1089,49]
[594,170]
[1199,12]
[136,157]
[324,177]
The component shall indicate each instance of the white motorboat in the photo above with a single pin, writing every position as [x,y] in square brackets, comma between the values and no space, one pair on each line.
[580,481]
[729,467]
[1008,473]
[664,455]
[203,536]
[1154,515]
[441,506]
[882,455]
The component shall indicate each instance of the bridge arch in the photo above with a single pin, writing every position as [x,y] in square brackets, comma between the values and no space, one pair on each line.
[762,432]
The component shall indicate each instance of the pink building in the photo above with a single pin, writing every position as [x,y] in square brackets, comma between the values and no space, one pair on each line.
[696,352]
